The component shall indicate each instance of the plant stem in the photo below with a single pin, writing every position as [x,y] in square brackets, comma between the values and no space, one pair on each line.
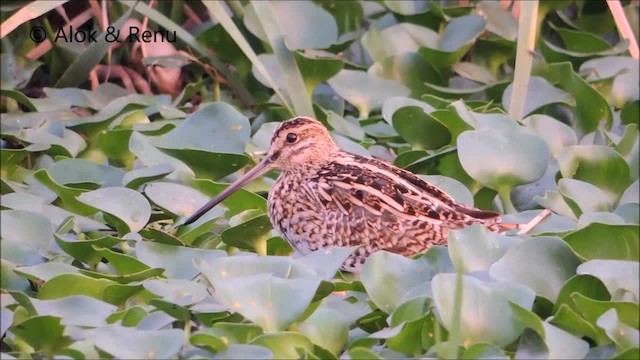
[505,198]
[454,334]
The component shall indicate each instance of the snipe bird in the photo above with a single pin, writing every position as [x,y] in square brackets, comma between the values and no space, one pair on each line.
[327,197]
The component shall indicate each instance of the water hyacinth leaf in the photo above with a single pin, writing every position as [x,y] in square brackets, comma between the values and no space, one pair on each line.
[271,302]
[9,280]
[176,260]
[591,108]
[604,241]
[473,72]
[407,7]
[348,127]
[397,39]
[327,328]
[480,121]
[484,351]
[457,38]
[630,113]
[483,313]
[76,310]
[583,197]
[420,129]
[242,266]
[393,104]
[629,149]
[591,309]
[615,274]
[499,159]
[171,309]
[43,333]
[539,93]
[409,69]
[553,201]
[387,277]
[29,228]
[130,209]
[234,333]
[499,21]
[6,318]
[243,351]
[559,343]
[123,264]
[366,92]
[135,178]
[85,174]
[285,345]
[362,353]
[560,264]
[85,250]
[215,134]
[622,334]
[623,69]
[410,319]
[290,16]
[237,202]
[326,262]
[73,284]
[130,343]
[570,320]
[453,187]
[141,146]
[475,248]
[179,291]
[270,62]
[587,285]
[175,198]
[556,134]
[317,67]
[597,165]
[45,271]
[16,71]
[251,234]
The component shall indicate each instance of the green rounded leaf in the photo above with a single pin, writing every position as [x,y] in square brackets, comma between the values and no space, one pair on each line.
[539,93]
[327,328]
[475,248]
[597,165]
[76,310]
[176,260]
[130,343]
[285,345]
[501,159]
[555,262]
[366,92]
[484,315]
[615,274]
[605,241]
[420,129]
[388,277]
[130,209]
[556,134]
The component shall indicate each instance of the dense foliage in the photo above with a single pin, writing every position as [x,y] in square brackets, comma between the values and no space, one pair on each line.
[106,146]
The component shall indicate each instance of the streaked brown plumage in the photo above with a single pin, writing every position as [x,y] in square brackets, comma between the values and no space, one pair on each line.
[327,197]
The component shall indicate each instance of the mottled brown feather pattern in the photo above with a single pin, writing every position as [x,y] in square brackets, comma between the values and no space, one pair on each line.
[326,197]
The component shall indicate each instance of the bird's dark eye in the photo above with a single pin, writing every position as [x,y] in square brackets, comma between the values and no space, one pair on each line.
[291,138]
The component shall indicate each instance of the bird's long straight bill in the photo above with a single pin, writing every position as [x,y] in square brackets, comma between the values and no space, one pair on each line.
[257,170]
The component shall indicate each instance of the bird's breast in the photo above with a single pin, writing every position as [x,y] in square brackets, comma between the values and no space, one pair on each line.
[294,212]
